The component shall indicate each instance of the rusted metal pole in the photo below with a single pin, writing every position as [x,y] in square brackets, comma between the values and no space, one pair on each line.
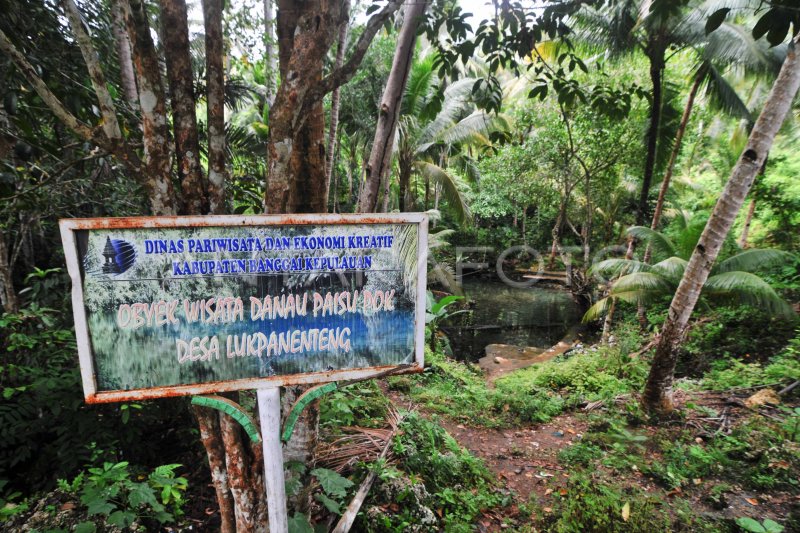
[269,412]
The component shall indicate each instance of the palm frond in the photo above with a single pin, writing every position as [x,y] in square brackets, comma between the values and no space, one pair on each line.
[597,310]
[747,288]
[754,259]
[723,95]
[659,242]
[419,85]
[452,193]
[671,268]
[641,286]
[618,267]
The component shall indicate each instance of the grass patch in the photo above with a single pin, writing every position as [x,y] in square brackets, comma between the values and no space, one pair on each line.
[534,394]
[436,485]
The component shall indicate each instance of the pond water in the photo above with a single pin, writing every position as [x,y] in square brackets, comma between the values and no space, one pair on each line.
[534,316]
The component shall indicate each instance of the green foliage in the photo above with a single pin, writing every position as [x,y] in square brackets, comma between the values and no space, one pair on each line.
[361,404]
[731,373]
[442,476]
[8,506]
[43,412]
[109,491]
[332,483]
[533,394]
[754,526]
[599,507]
[732,278]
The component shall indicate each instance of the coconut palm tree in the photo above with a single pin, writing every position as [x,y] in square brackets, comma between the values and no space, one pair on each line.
[434,137]
[660,28]
[731,280]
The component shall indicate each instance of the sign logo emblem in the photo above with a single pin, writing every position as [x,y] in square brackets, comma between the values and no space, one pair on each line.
[118,256]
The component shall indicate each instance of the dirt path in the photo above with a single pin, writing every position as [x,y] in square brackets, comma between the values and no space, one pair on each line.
[524,459]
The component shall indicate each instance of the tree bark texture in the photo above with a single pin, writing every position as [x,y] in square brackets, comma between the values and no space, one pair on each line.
[270,58]
[747,221]
[657,396]
[184,120]
[655,54]
[215,104]
[208,421]
[8,296]
[296,150]
[334,124]
[122,43]
[244,465]
[380,157]
[152,103]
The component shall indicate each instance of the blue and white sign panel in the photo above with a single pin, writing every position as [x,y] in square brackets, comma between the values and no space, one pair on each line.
[191,305]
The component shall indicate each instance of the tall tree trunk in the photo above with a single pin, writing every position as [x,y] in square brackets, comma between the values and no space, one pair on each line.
[215,100]
[184,118]
[747,221]
[296,180]
[244,477]
[655,53]
[8,296]
[676,148]
[334,125]
[657,396]
[381,156]
[157,156]
[210,436]
[122,42]
[556,232]
[270,58]
[90,57]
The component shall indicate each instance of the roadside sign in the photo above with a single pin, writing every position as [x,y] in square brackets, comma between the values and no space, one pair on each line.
[168,306]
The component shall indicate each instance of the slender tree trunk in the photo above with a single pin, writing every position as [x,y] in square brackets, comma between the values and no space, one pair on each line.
[122,42]
[90,57]
[381,156]
[747,221]
[556,232]
[655,54]
[336,157]
[184,118]
[657,396]
[215,100]
[247,489]
[208,421]
[8,296]
[270,58]
[676,148]
[157,156]
[334,125]
[405,181]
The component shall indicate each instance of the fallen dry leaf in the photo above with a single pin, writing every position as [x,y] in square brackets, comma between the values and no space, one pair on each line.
[626,511]
[548,492]
[563,492]
[548,509]
[751,501]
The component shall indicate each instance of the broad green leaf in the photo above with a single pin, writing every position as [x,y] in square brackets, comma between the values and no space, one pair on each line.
[331,505]
[299,524]
[85,527]
[332,483]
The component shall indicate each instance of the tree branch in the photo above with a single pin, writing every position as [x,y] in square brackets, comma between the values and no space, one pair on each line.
[51,100]
[106,103]
[345,73]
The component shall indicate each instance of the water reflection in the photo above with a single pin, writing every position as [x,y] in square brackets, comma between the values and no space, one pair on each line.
[535,316]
